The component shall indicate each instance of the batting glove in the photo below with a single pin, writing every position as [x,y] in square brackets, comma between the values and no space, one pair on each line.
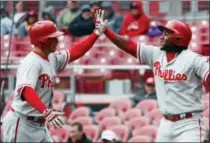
[54,117]
[99,21]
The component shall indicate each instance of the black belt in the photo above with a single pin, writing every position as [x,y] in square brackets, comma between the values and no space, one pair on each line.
[178,117]
[40,120]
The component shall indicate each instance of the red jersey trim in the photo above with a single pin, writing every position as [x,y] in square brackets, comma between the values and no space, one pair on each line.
[206,75]
[67,60]
[200,130]
[16,129]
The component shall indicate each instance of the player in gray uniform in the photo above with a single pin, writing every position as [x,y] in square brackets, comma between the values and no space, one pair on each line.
[25,122]
[179,76]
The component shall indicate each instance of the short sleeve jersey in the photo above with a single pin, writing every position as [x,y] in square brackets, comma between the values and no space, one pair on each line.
[39,74]
[178,82]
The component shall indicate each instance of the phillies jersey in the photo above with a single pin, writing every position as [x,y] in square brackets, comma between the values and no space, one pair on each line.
[178,82]
[38,73]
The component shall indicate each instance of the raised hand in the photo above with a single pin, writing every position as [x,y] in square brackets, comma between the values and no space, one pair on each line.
[100,23]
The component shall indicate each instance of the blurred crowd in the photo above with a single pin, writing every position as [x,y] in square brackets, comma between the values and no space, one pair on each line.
[77,135]
[76,19]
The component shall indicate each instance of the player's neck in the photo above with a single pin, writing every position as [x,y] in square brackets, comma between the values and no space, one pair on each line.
[41,53]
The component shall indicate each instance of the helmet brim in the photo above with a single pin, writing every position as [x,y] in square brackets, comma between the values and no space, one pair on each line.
[162,28]
[55,34]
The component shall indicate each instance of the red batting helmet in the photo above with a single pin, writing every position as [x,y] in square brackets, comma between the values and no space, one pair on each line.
[181,32]
[42,30]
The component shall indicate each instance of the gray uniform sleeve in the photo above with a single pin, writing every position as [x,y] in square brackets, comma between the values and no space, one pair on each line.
[59,59]
[145,54]
[201,66]
[27,75]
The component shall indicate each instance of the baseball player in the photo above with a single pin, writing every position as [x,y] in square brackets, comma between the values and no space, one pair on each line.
[179,75]
[25,122]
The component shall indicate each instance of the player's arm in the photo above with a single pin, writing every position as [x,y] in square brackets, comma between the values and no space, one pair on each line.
[32,98]
[123,43]
[82,47]
[207,81]
[201,68]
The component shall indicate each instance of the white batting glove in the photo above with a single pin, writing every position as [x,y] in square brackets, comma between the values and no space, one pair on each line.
[100,22]
[54,118]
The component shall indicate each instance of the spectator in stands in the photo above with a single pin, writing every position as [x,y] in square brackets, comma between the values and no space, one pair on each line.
[83,24]
[77,135]
[5,23]
[20,13]
[148,92]
[136,22]
[68,14]
[32,17]
[114,19]
[95,5]
[109,136]
[49,14]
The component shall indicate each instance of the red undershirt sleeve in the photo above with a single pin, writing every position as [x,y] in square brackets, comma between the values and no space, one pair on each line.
[32,98]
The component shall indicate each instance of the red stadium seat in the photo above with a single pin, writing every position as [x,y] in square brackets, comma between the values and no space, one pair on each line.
[93,132]
[206,113]
[155,115]
[206,104]
[138,139]
[206,122]
[62,132]
[106,112]
[122,105]
[146,130]
[147,105]
[206,97]
[131,114]
[58,99]
[110,121]
[122,131]
[86,120]
[138,122]
[80,112]
[56,138]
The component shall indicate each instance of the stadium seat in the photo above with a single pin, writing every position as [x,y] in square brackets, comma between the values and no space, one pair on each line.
[79,112]
[132,113]
[147,105]
[56,138]
[122,105]
[146,130]
[106,112]
[138,122]
[57,101]
[138,139]
[110,121]
[155,115]
[206,113]
[206,104]
[206,96]
[206,122]
[62,132]
[86,120]
[93,132]
[122,131]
